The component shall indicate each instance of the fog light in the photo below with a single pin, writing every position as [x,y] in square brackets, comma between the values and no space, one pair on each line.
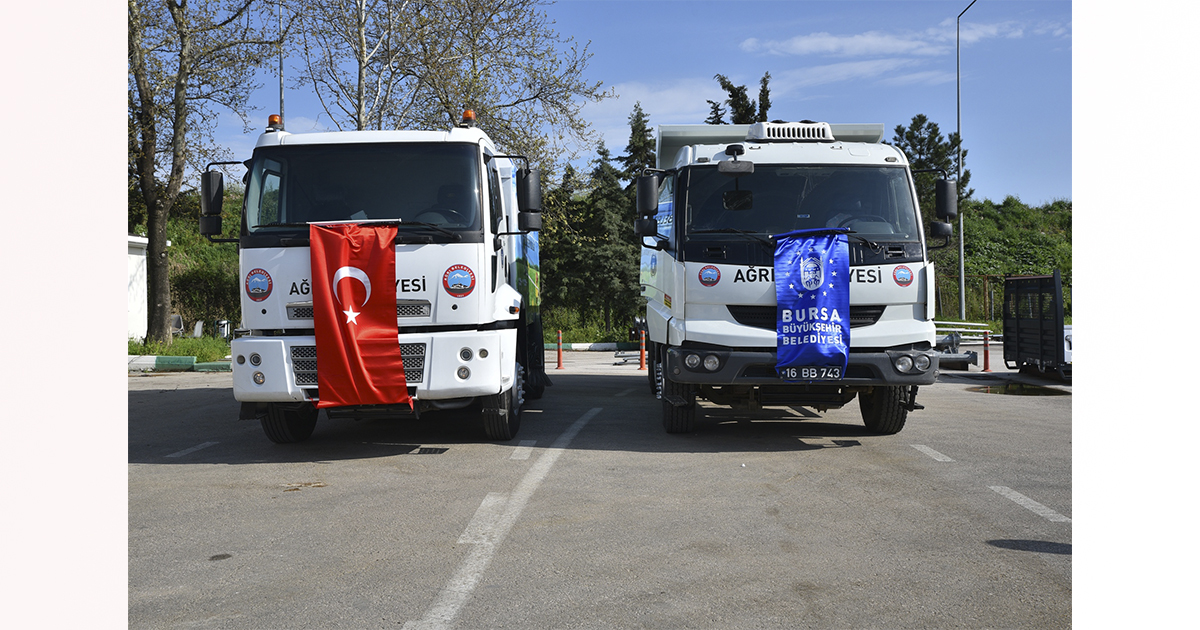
[692,361]
[255,359]
[483,353]
[904,363]
[241,359]
[465,354]
[464,373]
[922,362]
[711,363]
[259,379]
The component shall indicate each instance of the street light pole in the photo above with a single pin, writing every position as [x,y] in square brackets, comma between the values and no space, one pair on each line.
[962,263]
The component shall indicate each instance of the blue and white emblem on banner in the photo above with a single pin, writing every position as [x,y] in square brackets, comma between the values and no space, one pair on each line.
[812,290]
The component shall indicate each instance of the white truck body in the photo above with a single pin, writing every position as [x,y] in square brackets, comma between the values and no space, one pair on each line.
[466,278]
[708,273]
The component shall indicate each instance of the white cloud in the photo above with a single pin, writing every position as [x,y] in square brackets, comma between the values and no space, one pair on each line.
[836,73]
[861,45]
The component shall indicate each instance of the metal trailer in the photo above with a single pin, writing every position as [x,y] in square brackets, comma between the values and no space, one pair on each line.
[1035,338]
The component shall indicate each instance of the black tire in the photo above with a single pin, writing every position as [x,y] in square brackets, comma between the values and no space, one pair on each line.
[287,424]
[652,366]
[883,410]
[502,412]
[676,419]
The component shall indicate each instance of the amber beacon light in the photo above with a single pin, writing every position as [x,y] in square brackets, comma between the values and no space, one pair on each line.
[468,118]
[275,121]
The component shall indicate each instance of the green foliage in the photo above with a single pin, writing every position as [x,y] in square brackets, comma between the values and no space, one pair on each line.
[1009,238]
[204,276]
[923,144]
[639,153]
[205,349]
[578,327]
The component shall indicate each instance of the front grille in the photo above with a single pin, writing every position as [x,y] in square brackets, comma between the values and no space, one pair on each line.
[404,308]
[764,316]
[304,364]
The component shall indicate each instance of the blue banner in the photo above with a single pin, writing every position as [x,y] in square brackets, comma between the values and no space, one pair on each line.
[812,289]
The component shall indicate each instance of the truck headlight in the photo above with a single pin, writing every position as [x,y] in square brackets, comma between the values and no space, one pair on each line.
[904,363]
[921,362]
[692,361]
[711,363]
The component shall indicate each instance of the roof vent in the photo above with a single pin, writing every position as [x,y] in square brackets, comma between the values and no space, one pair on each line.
[806,131]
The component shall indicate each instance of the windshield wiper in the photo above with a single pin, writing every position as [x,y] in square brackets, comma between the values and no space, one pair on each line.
[437,228]
[754,235]
[281,224]
[876,247]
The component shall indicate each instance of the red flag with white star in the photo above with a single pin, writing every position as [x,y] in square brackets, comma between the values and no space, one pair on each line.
[354,313]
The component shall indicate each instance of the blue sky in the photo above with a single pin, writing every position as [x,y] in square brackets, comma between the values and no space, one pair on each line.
[873,61]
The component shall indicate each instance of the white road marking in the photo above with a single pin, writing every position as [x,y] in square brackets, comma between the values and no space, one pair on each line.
[188,451]
[624,392]
[487,529]
[524,450]
[1030,504]
[932,453]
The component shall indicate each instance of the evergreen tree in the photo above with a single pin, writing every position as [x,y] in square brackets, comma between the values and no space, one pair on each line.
[764,97]
[639,153]
[741,108]
[716,114]
[925,147]
[611,264]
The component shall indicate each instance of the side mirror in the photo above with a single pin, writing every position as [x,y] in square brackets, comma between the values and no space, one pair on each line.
[212,193]
[647,195]
[529,191]
[937,229]
[946,194]
[645,227]
[529,221]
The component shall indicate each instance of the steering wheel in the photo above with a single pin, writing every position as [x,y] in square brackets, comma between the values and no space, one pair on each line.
[865,217]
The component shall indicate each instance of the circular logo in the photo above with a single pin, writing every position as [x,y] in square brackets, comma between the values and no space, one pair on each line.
[258,285]
[459,281]
[710,276]
[902,275]
[812,273]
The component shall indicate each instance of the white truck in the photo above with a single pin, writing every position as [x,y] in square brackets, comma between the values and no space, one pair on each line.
[467,305]
[707,217]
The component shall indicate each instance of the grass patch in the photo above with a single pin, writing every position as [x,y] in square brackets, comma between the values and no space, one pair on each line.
[205,349]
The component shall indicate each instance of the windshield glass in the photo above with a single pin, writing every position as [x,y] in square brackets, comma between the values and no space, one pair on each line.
[430,183]
[780,198]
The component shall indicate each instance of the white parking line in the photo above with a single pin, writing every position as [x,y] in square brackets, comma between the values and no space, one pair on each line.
[188,451]
[524,450]
[624,392]
[932,453]
[1030,504]
[487,530]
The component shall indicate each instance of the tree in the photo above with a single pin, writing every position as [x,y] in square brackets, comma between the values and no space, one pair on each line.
[716,114]
[925,147]
[639,153]
[359,58]
[612,253]
[742,110]
[764,97]
[185,62]
[408,64]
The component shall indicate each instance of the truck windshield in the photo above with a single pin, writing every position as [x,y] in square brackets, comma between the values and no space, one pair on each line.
[875,201]
[436,184]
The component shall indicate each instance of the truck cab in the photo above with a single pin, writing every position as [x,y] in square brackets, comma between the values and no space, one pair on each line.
[710,213]
[466,270]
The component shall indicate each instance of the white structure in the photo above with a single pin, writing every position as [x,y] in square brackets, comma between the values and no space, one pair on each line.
[137,286]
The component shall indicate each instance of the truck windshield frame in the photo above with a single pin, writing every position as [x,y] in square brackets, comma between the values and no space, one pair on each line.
[417,183]
[874,201]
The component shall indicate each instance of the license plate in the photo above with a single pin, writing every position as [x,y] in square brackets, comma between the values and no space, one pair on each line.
[811,373]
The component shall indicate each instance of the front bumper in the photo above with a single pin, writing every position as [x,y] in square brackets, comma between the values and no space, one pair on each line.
[757,367]
[287,366]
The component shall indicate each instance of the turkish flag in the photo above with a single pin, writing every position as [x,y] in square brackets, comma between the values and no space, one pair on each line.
[354,312]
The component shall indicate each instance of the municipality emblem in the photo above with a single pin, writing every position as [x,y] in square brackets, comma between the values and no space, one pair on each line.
[710,276]
[812,273]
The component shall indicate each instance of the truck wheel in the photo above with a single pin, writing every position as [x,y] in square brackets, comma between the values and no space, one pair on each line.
[678,419]
[285,424]
[883,410]
[502,412]
[652,367]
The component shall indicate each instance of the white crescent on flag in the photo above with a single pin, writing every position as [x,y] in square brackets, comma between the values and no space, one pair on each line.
[351,272]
